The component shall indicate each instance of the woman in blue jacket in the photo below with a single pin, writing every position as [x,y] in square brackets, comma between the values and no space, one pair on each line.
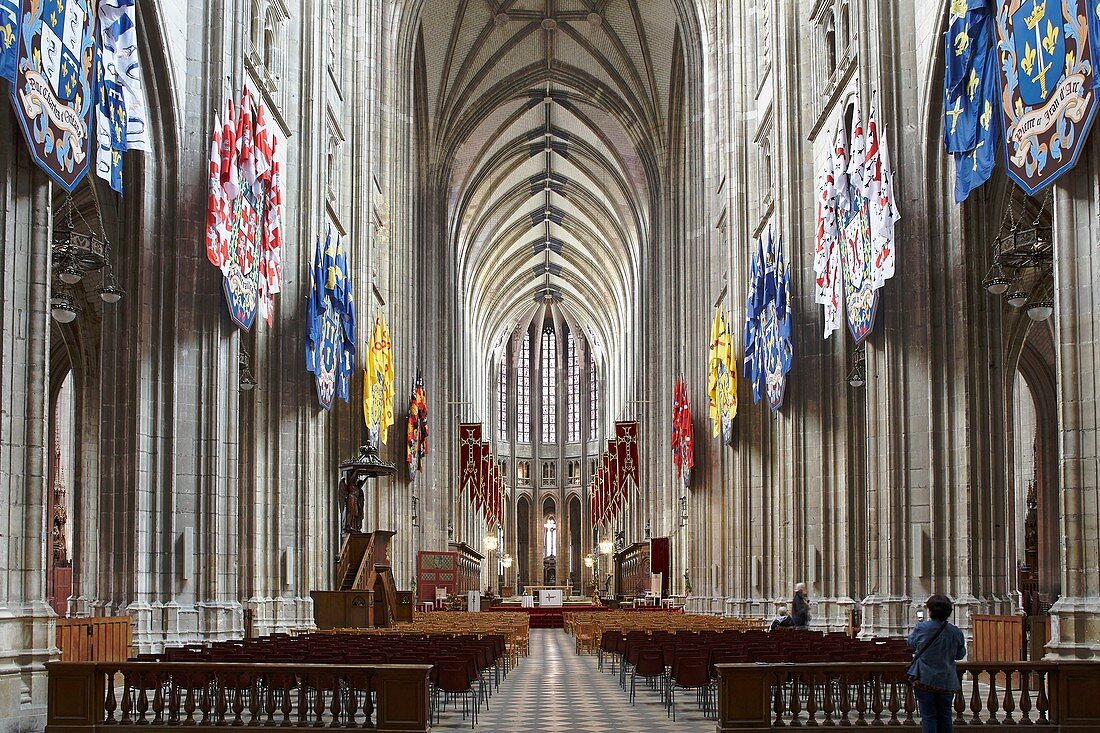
[936,645]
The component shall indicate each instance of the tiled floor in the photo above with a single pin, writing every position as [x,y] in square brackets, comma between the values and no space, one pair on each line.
[555,691]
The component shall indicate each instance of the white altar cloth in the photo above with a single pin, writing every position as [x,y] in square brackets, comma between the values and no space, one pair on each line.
[527,601]
[550,598]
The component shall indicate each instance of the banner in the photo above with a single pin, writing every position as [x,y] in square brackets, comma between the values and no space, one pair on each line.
[775,325]
[244,212]
[615,480]
[769,352]
[469,448]
[330,322]
[121,111]
[53,93]
[683,434]
[860,294]
[1047,76]
[828,272]
[722,378]
[626,445]
[753,352]
[378,390]
[485,479]
[416,440]
[884,214]
[9,38]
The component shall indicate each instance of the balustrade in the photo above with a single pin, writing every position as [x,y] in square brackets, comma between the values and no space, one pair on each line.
[1045,696]
[96,697]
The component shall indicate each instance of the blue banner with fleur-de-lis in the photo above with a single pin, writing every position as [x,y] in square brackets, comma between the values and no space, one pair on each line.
[330,322]
[1046,86]
[53,90]
[9,37]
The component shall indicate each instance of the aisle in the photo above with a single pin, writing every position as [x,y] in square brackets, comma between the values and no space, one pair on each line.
[554,691]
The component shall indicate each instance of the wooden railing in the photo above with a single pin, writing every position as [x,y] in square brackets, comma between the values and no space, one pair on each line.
[1045,696]
[103,639]
[100,697]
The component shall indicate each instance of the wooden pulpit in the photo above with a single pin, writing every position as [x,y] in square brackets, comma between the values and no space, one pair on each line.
[367,595]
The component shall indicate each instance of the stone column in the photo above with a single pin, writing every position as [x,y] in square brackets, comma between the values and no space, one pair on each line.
[1075,626]
[26,619]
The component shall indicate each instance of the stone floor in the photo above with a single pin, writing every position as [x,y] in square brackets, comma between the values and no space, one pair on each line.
[553,690]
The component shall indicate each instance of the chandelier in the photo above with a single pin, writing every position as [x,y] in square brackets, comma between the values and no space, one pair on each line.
[78,248]
[1023,261]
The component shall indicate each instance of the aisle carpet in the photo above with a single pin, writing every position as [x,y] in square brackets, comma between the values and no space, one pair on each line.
[555,691]
[547,618]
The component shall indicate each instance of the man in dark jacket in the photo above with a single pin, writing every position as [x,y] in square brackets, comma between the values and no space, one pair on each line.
[801,607]
[782,620]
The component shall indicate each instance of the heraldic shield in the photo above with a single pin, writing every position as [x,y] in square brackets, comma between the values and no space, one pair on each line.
[1040,48]
[1047,100]
[860,296]
[242,278]
[329,350]
[52,93]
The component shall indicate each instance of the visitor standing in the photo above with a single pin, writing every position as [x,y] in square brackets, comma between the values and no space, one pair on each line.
[936,645]
[801,607]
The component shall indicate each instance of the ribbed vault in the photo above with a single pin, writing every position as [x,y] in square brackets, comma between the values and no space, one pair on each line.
[546,126]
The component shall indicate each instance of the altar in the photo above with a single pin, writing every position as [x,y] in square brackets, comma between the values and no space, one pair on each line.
[551,598]
[530,590]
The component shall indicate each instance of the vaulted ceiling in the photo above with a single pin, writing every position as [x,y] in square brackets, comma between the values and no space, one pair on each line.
[547,134]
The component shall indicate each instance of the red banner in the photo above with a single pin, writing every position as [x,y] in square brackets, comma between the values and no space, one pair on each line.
[626,444]
[469,449]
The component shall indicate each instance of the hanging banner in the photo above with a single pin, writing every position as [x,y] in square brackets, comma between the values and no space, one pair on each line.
[241,280]
[416,433]
[775,324]
[9,38]
[1048,103]
[53,93]
[626,444]
[469,449]
[860,294]
[722,378]
[330,323]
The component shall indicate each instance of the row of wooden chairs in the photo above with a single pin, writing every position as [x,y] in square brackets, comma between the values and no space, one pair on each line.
[513,627]
[469,667]
[588,628]
[687,659]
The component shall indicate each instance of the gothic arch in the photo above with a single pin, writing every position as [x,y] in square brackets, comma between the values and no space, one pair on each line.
[966,359]
[114,347]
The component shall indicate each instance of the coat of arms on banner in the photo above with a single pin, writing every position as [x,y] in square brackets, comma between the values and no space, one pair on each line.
[1047,100]
[52,93]
[860,296]
[328,347]
[242,275]
[775,376]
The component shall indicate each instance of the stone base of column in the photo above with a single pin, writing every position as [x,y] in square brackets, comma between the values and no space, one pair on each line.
[1074,629]
[157,624]
[888,616]
[280,615]
[27,642]
[829,614]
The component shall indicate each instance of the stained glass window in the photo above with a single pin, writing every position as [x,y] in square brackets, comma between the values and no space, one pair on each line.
[523,391]
[549,386]
[573,386]
[502,399]
[593,401]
